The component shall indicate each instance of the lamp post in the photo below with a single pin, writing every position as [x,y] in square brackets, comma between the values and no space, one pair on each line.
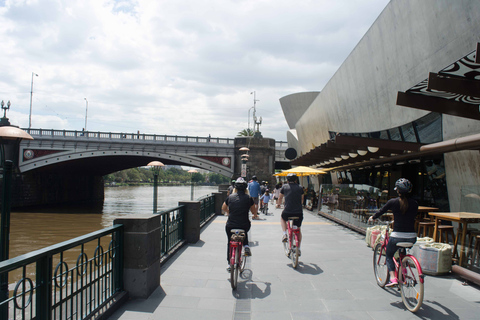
[244,158]
[10,137]
[192,171]
[156,165]
[31,97]
[86,112]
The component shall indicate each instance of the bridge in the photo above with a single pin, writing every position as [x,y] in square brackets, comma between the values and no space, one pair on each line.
[101,153]
[67,166]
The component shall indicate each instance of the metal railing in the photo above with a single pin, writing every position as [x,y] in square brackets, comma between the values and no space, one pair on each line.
[141,137]
[172,228]
[62,281]
[207,208]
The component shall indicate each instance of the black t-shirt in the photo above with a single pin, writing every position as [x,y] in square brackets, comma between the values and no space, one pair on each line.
[238,205]
[401,222]
[293,198]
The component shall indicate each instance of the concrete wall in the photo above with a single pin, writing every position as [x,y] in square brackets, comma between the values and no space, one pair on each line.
[294,106]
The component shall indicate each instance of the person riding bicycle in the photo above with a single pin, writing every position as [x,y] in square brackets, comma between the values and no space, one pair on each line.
[293,193]
[404,211]
[265,198]
[236,206]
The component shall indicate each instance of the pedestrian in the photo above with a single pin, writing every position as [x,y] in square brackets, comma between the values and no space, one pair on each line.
[254,190]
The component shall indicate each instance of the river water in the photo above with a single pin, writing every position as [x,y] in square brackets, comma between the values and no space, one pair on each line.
[35,230]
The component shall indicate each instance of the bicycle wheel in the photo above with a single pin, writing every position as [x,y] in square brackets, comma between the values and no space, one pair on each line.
[243,262]
[286,247]
[380,265]
[411,288]
[294,253]
[233,278]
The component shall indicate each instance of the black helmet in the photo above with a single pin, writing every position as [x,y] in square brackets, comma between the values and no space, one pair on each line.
[403,186]
[240,184]
[292,177]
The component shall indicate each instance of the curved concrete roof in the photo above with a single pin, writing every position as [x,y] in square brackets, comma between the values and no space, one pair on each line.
[294,106]
[406,42]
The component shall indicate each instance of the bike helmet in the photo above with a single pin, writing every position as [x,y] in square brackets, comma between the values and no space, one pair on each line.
[403,186]
[241,184]
[292,177]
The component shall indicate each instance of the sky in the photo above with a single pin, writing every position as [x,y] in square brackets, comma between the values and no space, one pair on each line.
[175,67]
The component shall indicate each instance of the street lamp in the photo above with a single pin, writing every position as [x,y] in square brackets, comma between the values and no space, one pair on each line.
[31,96]
[192,171]
[86,112]
[244,158]
[156,165]
[10,137]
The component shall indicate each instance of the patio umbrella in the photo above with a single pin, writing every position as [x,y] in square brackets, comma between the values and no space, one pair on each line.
[301,171]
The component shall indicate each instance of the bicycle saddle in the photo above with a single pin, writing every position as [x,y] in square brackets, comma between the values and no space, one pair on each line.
[293,218]
[237,231]
[405,244]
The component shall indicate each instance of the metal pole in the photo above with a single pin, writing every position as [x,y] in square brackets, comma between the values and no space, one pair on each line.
[191,191]
[31,97]
[5,232]
[86,112]
[155,191]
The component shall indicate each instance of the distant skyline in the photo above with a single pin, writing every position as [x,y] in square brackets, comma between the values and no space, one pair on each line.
[185,67]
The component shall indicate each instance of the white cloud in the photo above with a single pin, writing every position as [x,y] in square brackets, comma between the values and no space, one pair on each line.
[183,67]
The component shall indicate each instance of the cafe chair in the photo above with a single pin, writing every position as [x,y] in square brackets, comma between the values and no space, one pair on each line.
[445,232]
[475,261]
[425,229]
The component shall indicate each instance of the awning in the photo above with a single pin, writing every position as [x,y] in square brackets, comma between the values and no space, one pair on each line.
[346,149]
[454,90]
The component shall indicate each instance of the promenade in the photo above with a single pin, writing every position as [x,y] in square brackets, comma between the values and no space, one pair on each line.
[334,280]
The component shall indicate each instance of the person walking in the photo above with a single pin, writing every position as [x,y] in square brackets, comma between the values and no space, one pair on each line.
[236,207]
[404,210]
[254,190]
[293,193]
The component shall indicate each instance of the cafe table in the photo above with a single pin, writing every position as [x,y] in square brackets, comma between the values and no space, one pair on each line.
[463,218]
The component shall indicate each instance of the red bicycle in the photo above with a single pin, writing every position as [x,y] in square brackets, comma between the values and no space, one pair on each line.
[291,246]
[407,270]
[238,259]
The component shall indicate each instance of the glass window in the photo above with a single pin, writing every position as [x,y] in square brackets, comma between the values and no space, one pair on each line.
[429,128]
[395,134]
[384,135]
[409,133]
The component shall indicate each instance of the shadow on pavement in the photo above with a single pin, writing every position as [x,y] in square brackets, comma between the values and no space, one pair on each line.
[428,312]
[311,268]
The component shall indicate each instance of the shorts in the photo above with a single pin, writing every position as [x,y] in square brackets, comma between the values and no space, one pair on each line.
[296,222]
[255,200]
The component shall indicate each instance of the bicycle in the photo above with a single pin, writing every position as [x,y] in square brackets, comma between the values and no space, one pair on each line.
[238,259]
[264,208]
[407,270]
[291,246]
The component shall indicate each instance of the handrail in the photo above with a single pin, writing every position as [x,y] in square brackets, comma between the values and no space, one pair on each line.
[77,272]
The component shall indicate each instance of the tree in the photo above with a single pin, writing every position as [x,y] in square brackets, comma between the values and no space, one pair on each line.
[246,133]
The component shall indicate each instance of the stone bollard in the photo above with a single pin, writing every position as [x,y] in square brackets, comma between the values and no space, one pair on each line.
[219,200]
[191,221]
[141,274]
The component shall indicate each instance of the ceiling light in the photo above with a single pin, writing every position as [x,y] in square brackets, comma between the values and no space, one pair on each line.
[362,152]
[373,149]
[338,159]
[345,157]
[353,155]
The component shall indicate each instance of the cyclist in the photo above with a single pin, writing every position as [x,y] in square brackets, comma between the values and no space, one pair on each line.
[404,211]
[293,193]
[236,206]
[265,198]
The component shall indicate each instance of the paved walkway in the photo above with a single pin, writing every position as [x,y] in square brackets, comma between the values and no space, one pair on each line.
[333,281]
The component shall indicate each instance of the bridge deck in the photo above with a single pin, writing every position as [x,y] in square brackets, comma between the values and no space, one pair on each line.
[334,281]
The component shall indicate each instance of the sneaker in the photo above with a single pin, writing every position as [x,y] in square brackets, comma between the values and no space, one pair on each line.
[229,269]
[392,282]
[299,252]
[247,252]
[284,238]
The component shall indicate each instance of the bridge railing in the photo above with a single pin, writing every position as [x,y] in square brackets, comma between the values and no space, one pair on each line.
[281,144]
[98,135]
[69,280]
